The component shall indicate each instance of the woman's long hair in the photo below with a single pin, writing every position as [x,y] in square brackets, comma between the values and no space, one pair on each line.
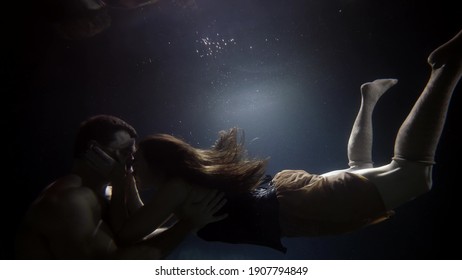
[224,166]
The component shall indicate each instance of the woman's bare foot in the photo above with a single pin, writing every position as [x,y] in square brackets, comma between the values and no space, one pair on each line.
[448,53]
[372,91]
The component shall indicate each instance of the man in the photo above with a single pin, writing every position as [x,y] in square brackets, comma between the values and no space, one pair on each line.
[77,215]
[81,19]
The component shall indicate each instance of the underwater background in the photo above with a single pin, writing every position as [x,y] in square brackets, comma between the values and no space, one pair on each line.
[287,72]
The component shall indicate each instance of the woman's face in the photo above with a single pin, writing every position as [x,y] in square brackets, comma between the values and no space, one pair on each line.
[145,176]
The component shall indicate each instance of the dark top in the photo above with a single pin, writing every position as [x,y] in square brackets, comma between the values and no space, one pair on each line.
[253,218]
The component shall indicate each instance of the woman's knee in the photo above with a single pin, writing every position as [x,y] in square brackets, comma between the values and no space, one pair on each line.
[418,174]
[399,181]
[357,165]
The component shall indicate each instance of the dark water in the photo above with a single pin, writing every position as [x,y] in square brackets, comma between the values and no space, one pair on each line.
[288,72]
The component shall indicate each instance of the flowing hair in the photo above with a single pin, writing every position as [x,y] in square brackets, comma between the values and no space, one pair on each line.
[224,166]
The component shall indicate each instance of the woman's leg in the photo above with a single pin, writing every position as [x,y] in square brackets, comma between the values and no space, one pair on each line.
[418,136]
[409,174]
[360,142]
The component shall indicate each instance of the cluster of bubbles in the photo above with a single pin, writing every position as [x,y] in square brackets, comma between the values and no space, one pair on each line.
[211,47]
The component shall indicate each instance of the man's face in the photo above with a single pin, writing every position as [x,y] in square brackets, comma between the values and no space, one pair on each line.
[122,148]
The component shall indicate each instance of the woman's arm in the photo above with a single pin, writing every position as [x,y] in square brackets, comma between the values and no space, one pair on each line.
[154,213]
[194,215]
[118,208]
[132,197]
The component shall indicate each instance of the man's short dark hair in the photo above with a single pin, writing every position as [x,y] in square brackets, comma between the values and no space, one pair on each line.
[100,128]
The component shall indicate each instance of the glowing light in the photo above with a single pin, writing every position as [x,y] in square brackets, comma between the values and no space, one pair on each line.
[244,103]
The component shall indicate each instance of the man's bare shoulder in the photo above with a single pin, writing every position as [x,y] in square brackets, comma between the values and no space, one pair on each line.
[64,190]
[68,216]
[63,199]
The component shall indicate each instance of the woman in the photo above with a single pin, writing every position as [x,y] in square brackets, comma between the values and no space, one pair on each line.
[297,203]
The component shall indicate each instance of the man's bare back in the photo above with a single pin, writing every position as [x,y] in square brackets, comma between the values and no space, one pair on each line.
[66,222]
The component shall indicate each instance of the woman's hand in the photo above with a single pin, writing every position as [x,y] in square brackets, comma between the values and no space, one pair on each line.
[202,212]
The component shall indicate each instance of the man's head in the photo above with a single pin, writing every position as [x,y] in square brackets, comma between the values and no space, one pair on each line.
[112,134]
[77,19]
